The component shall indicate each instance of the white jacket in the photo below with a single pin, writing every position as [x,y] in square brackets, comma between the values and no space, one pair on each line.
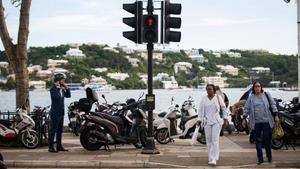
[219,104]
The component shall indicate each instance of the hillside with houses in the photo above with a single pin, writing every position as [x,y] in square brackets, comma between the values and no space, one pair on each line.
[120,67]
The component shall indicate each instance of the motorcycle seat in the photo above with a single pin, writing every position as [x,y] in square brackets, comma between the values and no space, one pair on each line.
[187,118]
[115,119]
[162,114]
[6,123]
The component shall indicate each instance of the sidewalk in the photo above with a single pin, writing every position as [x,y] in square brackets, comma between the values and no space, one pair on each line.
[236,152]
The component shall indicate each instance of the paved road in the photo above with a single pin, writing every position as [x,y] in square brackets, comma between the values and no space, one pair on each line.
[236,152]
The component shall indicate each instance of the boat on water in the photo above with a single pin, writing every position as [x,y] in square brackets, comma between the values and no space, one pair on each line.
[75,86]
[100,87]
[288,89]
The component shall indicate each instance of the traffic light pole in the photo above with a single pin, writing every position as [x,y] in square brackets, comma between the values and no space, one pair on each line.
[150,144]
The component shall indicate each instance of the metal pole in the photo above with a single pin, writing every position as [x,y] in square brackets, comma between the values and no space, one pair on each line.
[150,144]
[298,25]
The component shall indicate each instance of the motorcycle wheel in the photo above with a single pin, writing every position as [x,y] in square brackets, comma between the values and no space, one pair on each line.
[162,136]
[89,140]
[30,139]
[277,143]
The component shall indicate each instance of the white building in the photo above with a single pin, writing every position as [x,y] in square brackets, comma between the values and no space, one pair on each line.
[170,84]
[126,49]
[194,55]
[218,54]
[111,49]
[54,63]
[34,68]
[201,68]
[4,64]
[39,85]
[133,61]
[182,66]
[99,80]
[60,70]
[234,54]
[100,70]
[258,70]
[75,52]
[118,76]
[162,77]
[229,69]
[143,77]
[44,73]
[216,80]
[156,55]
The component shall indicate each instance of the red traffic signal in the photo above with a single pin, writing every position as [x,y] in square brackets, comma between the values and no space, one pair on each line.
[150,28]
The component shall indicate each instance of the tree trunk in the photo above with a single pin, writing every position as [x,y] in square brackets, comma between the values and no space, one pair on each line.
[17,54]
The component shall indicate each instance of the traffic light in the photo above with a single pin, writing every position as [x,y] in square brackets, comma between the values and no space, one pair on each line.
[169,22]
[150,28]
[135,22]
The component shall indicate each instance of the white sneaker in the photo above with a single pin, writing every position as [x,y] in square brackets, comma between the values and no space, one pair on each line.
[213,163]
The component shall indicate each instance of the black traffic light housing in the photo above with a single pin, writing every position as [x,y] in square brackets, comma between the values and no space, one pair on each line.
[169,22]
[135,22]
[150,28]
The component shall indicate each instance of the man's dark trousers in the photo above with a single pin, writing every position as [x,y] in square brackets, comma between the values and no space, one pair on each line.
[57,115]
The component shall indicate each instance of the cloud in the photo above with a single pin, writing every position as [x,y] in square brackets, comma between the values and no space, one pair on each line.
[75,22]
[224,22]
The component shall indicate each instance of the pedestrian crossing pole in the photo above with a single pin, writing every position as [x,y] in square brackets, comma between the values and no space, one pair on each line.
[150,98]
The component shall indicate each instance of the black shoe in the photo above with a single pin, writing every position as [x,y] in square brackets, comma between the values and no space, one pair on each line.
[260,162]
[62,149]
[52,150]
[270,160]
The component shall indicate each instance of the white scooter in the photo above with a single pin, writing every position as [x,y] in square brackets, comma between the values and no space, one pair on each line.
[167,129]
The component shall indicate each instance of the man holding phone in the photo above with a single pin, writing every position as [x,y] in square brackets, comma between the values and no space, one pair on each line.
[58,92]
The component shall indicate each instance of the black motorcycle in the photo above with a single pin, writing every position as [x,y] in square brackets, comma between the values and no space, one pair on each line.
[76,116]
[128,125]
[290,124]
[40,116]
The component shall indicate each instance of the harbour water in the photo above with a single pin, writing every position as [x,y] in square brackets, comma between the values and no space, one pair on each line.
[163,97]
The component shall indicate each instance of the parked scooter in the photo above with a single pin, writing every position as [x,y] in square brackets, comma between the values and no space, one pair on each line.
[167,129]
[76,116]
[19,129]
[290,124]
[127,126]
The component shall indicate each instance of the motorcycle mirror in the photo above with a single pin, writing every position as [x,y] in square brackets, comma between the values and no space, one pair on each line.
[141,95]
[104,98]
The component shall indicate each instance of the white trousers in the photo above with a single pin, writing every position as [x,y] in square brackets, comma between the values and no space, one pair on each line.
[212,133]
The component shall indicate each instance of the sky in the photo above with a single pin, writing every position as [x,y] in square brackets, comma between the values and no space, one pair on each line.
[211,24]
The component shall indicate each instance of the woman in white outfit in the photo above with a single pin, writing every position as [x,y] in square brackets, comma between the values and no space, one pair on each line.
[210,117]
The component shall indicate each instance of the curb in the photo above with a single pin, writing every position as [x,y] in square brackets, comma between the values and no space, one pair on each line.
[87,164]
